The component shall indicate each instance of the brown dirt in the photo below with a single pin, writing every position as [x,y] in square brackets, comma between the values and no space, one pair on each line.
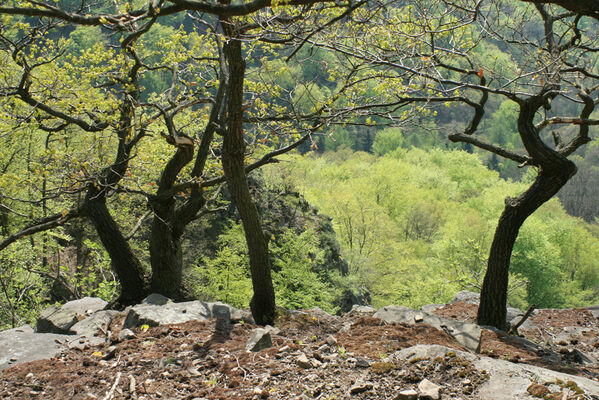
[194,361]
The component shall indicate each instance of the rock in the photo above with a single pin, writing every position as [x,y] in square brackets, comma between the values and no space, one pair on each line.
[125,334]
[594,310]
[466,334]
[360,386]
[156,299]
[410,394]
[331,340]
[362,362]
[429,308]
[359,309]
[20,345]
[466,297]
[60,320]
[259,339]
[222,313]
[169,313]
[97,323]
[507,381]
[303,362]
[429,390]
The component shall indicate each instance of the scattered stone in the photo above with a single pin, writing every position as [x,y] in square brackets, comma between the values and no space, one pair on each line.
[331,340]
[259,339]
[125,334]
[410,394]
[429,390]
[360,386]
[303,362]
[362,362]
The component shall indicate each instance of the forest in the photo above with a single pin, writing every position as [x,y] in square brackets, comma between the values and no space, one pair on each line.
[299,153]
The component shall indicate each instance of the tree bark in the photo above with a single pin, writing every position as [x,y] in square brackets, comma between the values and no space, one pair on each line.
[555,171]
[233,159]
[125,264]
[165,241]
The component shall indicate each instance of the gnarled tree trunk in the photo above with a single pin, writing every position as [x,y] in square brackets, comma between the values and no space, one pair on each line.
[555,171]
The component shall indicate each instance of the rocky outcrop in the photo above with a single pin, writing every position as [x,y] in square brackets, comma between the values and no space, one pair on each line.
[506,380]
[468,335]
[60,320]
[22,344]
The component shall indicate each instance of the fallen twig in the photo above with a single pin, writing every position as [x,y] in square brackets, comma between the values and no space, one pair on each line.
[514,329]
[113,388]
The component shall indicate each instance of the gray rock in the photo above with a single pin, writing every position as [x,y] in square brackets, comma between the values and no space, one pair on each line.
[507,381]
[467,297]
[125,334]
[429,308]
[570,335]
[97,323]
[20,345]
[410,394]
[594,310]
[359,309]
[169,313]
[259,339]
[466,334]
[156,299]
[303,362]
[429,390]
[360,386]
[60,320]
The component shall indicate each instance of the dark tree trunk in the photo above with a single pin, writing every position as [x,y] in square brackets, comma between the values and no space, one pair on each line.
[125,265]
[555,171]
[263,301]
[165,241]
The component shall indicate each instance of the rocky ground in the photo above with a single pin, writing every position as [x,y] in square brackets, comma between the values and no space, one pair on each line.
[313,356]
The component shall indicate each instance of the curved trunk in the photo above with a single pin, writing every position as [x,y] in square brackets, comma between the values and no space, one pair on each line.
[493,300]
[233,157]
[125,265]
[555,171]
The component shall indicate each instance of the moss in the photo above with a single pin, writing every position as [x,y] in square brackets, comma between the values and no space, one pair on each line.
[381,367]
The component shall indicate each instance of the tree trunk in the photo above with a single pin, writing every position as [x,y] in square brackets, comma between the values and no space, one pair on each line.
[165,241]
[263,301]
[555,171]
[125,265]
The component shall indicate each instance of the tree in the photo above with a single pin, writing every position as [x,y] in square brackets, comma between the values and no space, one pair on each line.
[428,54]
[205,98]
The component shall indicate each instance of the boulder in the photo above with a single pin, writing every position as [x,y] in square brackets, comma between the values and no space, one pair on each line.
[22,344]
[61,319]
[468,335]
[177,313]
[507,381]
[168,313]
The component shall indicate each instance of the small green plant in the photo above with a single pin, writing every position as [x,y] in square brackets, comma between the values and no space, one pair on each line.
[342,352]
[211,382]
